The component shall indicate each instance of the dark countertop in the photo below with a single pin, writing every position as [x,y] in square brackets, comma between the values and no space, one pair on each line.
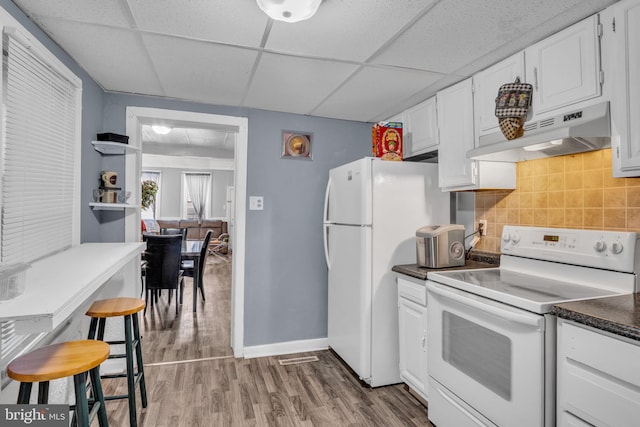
[478,260]
[619,314]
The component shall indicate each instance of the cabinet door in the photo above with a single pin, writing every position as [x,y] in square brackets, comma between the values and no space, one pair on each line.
[485,89]
[565,68]
[625,105]
[455,122]
[421,128]
[598,377]
[413,345]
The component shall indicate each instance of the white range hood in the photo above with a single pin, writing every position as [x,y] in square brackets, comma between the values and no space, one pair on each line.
[573,131]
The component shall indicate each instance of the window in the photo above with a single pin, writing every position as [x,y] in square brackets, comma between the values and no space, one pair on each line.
[40,157]
[196,204]
[151,212]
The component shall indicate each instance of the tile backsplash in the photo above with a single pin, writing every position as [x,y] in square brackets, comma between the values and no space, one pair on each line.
[573,191]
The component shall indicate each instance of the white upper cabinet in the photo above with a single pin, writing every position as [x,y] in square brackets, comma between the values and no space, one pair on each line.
[455,122]
[564,68]
[420,129]
[485,89]
[621,24]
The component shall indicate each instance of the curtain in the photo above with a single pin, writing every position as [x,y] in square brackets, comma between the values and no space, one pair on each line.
[198,187]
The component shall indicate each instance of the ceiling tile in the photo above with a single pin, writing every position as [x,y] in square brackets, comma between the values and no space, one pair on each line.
[235,22]
[292,84]
[115,58]
[349,30]
[370,92]
[437,41]
[200,71]
[111,12]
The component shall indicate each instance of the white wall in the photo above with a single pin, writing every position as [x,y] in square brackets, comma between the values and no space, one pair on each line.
[171,191]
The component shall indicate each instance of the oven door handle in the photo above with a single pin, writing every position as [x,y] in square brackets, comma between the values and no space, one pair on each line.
[439,290]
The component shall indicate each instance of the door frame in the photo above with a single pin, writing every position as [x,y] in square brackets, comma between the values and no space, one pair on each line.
[135,117]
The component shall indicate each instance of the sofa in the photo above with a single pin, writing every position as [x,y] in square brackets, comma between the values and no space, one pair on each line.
[196,230]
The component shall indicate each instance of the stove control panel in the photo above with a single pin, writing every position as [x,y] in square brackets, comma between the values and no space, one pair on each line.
[612,250]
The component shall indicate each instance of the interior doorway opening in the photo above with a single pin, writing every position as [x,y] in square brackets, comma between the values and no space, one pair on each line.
[139,118]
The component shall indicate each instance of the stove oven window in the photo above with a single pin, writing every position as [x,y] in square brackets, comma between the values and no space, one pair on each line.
[480,353]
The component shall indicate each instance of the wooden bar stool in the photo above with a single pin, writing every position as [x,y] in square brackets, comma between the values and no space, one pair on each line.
[127,308]
[60,361]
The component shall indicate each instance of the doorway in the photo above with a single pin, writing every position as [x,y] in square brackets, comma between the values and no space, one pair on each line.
[139,116]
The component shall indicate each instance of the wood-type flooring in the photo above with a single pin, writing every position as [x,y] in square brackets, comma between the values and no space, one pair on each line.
[194,380]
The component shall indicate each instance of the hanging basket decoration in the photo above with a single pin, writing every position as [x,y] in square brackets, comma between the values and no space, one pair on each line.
[512,105]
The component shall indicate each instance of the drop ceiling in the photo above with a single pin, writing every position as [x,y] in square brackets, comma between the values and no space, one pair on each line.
[362,60]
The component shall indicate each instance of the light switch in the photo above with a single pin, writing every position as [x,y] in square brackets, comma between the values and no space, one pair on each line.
[256,203]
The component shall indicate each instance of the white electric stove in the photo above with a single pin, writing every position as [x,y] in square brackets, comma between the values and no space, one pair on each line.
[491,339]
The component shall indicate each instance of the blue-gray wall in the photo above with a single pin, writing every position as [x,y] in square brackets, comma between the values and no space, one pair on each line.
[285,271]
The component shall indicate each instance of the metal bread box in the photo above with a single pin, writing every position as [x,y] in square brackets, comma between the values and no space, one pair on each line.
[440,245]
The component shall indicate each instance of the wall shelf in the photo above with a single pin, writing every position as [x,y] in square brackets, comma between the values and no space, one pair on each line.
[108,147]
[110,206]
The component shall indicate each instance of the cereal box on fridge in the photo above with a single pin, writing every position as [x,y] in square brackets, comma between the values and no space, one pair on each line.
[387,140]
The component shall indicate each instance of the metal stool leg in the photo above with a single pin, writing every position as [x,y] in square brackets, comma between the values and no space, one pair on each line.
[82,406]
[43,393]
[24,393]
[141,380]
[96,387]
[131,381]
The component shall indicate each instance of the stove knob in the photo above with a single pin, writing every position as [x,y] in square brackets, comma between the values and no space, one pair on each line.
[600,246]
[616,247]
[505,237]
[515,237]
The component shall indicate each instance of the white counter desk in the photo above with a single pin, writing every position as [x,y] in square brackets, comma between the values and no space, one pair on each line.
[57,285]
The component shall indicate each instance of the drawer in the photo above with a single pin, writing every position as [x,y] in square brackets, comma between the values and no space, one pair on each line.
[609,355]
[416,292]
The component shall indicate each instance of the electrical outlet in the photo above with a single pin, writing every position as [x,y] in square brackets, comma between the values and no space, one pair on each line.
[482,227]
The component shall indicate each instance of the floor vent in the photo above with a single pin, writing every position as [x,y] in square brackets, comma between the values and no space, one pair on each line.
[297,360]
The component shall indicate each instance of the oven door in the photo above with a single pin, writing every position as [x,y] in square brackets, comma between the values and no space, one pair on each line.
[489,356]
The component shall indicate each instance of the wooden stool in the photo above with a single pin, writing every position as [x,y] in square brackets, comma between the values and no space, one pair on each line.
[127,308]
[59,361]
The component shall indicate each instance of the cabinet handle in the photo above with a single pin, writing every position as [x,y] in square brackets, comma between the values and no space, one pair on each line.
[424,339]
[535,78]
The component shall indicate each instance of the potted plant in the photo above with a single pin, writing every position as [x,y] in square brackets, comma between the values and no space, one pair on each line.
[149,191]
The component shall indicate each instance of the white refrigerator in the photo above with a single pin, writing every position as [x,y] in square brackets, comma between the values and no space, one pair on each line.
[372,210]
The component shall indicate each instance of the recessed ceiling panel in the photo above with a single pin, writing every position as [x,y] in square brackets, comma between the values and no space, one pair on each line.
[457,32]
[372,91]
[348,30]
[115,58]
[180,141]
[200,71]
[292,84]
[233,22]
[109,12]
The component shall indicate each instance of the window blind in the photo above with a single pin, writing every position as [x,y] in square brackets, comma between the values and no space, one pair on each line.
[38,156]
[39,143]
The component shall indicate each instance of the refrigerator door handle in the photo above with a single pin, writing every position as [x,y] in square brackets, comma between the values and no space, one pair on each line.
[325,217]
[325,221]
[325,235]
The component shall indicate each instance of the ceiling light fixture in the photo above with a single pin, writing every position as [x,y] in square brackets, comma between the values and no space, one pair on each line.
[161,130]
[289,10]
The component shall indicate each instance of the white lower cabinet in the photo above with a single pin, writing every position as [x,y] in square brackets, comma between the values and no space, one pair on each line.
[412,312]
[598,377]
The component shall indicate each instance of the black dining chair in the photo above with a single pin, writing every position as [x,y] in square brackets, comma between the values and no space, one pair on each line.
[187,266]
[162,270]
[168,231]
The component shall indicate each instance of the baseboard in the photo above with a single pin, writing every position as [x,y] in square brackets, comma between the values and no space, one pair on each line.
[288,347]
